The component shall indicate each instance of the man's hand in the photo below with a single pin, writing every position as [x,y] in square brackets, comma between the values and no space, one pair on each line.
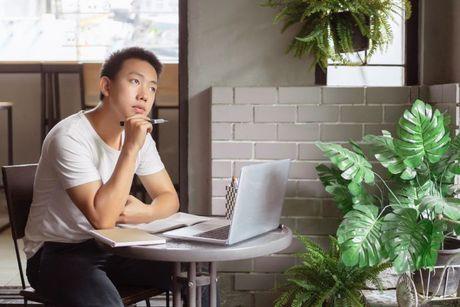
[136,128]
[135,212]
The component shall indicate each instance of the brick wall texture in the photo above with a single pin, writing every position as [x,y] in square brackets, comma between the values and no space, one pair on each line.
[259,124]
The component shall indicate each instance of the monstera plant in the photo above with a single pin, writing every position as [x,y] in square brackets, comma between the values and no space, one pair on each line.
[405,214]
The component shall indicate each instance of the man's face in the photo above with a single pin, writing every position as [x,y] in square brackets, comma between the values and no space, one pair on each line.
[133,89]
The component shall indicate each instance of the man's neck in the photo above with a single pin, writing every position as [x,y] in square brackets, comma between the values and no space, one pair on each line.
[106,127]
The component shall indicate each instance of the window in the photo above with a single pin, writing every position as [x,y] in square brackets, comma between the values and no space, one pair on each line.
[385,68]
[86,30]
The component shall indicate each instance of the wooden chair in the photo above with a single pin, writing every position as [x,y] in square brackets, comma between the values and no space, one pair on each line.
[18,181]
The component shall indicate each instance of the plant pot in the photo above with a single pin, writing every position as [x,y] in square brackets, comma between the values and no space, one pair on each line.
[441,285]
[359,41]
[389,279]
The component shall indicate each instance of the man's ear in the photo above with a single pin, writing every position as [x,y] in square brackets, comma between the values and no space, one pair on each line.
[104,85]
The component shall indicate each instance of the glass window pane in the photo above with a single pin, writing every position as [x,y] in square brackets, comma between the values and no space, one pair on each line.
[86,30]
[394,53]
[365,75]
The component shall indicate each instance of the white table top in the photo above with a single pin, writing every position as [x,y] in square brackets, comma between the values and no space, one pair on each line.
[188,251]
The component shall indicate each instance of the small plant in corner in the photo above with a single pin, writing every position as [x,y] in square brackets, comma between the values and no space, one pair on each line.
[322,279]
[405,215]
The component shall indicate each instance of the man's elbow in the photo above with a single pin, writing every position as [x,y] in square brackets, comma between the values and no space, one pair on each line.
[104,225]
[100,223]
[177,202]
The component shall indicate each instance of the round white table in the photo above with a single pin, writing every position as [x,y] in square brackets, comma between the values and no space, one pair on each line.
[179,251]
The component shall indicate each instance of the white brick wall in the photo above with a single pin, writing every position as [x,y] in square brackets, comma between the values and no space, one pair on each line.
[255,125]
[300,95]
[255,132]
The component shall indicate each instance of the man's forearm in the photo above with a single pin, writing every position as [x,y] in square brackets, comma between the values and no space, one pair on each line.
[111,197]
[164,205]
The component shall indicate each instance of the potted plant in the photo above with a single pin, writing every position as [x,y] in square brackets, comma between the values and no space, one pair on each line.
[321,279]
[406,216]
[330,28]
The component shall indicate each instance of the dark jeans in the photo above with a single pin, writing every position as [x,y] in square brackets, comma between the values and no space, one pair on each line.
[84,274]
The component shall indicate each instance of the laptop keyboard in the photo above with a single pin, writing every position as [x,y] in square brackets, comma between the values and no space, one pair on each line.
[218,233]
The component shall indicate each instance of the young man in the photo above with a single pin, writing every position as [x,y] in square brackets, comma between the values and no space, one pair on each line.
[83,182]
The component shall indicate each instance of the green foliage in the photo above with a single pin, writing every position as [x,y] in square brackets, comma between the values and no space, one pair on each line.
[422,135]
[438,205]
[346,193]
[323,278]
[336,186]
[419,209]
[353,166]
[386,154]
[326,28]
[407,238]
[359,237]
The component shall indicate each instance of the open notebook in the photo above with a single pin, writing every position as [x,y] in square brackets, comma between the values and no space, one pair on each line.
[176,220]
[117,237]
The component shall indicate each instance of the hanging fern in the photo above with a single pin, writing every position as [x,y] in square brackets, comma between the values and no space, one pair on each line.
[326,32]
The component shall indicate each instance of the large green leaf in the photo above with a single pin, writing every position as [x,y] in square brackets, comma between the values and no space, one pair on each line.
[406,196]
[346,193]
[422,135]
[405,238]
[359,237]
[330,175]
[353,166]
[384,151]
[342,197]
[409,195]
[335,185]
[360,195]
[449,207]
[435,237]
[356,148]
[443,173]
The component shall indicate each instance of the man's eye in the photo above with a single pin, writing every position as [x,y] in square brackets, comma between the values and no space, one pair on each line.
[134,81]
[153,89]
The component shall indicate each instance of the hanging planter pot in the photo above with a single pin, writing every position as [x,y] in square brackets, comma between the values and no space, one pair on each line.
[346,33]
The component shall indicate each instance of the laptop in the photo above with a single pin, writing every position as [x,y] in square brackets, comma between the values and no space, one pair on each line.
[257,208]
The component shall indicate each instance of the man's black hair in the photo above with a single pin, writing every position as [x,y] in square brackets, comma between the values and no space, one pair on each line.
[114,62]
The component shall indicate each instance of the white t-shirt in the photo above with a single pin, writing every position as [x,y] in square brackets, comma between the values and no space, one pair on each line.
[73,154]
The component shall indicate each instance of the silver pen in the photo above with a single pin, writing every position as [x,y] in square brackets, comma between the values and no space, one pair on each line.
[153,121]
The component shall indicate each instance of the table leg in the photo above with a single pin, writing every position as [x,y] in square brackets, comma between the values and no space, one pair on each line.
[213,284]
[198,288]
[198,296]
[192,284]
[176,285]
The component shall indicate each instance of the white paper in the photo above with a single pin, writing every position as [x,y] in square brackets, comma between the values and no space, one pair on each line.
[176,220]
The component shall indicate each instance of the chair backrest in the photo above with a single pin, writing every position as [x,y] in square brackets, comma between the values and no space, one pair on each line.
[19,184]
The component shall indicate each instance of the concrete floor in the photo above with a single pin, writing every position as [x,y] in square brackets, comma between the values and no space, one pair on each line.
[9,273]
